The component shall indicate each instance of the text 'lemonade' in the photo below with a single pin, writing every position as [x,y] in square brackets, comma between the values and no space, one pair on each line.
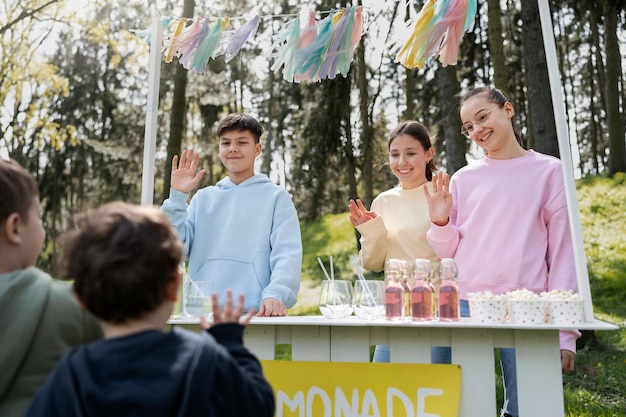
[449,303]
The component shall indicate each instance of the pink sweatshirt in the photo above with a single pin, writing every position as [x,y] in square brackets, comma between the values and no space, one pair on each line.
[509,228]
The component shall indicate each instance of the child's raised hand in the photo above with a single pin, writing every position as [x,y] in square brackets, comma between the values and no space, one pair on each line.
[184,177]
[228,314]
[440,201]
[358,213]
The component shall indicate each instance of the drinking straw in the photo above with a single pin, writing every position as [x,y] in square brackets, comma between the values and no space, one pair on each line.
[323,268]
[332,270]
[359,273]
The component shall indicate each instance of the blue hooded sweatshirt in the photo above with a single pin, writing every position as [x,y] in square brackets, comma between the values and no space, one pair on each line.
[242,237]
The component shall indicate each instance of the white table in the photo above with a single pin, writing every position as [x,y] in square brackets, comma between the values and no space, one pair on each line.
[539,379]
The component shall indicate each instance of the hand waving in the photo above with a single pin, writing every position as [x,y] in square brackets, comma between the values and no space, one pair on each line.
[229,314]
[440,201]
[184,176]
[359,214]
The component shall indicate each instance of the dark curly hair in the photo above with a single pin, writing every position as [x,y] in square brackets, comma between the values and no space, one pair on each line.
[121,258]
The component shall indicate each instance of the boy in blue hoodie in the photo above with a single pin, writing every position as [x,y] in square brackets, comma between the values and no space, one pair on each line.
[243,233]
[124,260]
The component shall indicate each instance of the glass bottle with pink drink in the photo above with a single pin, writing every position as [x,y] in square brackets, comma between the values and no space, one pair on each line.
[396,270]
[422,293]
[449,303]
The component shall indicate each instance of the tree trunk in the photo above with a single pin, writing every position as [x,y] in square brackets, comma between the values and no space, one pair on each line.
[496,42]
[617,159]
[449,89]
[178,114]
[367,131]
[541,113]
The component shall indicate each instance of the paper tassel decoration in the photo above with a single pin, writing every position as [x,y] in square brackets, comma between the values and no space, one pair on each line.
[190,38]
[201,55]
[190,42]
[320,50]
[236,40]
[287,43]
[170,43]
[436,32]
[146,33]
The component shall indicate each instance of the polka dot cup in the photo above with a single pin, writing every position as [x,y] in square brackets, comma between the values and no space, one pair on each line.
[527,311]
[566,312]
[488,311]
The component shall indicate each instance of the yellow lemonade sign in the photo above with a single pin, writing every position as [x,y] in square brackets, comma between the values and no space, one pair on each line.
[342,389]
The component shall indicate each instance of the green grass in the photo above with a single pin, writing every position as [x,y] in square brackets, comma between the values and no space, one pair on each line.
[597,387]
[334,236]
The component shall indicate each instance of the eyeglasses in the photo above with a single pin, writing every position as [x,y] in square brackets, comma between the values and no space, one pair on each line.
[469,128]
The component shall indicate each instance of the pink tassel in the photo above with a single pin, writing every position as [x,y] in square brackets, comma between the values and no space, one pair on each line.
[308,34]
[357,28]
[452,24]
[190,38]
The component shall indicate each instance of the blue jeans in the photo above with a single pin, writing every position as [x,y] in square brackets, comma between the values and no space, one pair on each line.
[507,363]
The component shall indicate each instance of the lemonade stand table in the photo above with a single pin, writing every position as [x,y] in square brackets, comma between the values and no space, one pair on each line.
[540,389]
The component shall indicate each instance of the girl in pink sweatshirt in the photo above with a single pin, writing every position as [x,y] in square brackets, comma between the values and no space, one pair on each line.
[504,219]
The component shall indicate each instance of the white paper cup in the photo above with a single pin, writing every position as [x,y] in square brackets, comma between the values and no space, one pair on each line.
[566,311]
[488,310]
[527,311]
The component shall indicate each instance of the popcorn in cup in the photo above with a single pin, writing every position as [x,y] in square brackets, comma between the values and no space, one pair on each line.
[564,307]
[485,307]
[526,307]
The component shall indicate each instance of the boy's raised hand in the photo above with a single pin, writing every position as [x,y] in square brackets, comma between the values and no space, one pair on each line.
[440,201]
[184,177]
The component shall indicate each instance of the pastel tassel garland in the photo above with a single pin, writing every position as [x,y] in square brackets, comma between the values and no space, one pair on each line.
[412,48]
[335,49]
[437,32]
[287,44]
[146,33]
[205,50]
[309,59]
[170,43]
[236,40]
[193,42]
[190,38]
[320,50]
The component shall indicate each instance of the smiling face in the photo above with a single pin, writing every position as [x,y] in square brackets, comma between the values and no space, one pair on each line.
[238,150]
[408,160]
[490,126]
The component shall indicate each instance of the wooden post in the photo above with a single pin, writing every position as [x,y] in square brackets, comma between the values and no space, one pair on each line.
[566,157]
[149,150]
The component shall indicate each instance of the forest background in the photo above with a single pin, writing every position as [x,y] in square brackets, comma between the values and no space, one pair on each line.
[74,86]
